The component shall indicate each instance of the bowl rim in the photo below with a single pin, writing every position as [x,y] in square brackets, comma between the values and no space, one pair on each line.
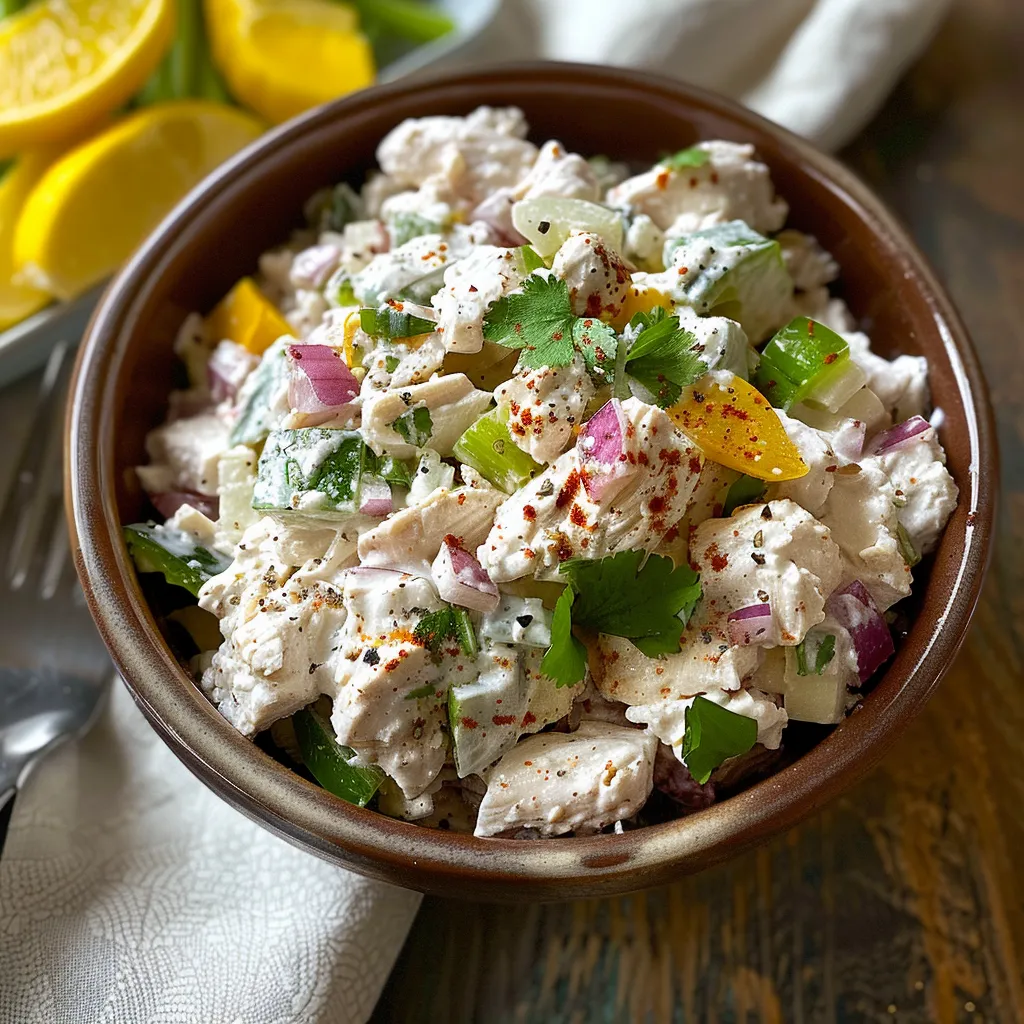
[447,862]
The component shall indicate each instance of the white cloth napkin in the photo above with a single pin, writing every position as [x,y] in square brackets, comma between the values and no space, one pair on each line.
[128,892]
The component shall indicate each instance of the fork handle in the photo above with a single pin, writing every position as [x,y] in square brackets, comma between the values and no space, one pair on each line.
[6,808]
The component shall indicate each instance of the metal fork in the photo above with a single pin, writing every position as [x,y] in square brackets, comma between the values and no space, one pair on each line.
[54,669]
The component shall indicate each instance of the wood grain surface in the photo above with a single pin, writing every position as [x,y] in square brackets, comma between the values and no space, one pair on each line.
[903,901]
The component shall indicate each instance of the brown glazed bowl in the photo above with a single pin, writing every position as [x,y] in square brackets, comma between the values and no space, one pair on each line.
[251,204]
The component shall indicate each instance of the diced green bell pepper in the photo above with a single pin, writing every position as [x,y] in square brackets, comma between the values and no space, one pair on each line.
[328,761]
[174,554]
[313,470]
[802,359]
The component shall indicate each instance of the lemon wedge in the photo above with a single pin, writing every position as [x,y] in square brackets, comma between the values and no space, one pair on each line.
[65,63]
[92,208]
[17,302]
[281,58]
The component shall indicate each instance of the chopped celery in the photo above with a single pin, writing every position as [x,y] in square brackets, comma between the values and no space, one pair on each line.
[529,257]
[745,491]
[731,271]
[814,653]
[801,361]
[174,554]
[407,226]
[488,447]
[465,632]
[910,554]
[329,762]
[393,470]
[694,156]
[258,393]
[311,470]
[338,290]
[390,322]
[546,222]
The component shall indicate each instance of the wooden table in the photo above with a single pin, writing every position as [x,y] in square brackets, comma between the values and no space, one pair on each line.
[904,900]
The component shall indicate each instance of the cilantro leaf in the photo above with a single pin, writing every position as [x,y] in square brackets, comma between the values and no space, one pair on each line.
[426,690]
[539,321]
[713,734]
[693,156]
[747,490]
[447,623]
[391,363]
[415,426]
[597,343]
[648,605]
[565,661]
[664,357]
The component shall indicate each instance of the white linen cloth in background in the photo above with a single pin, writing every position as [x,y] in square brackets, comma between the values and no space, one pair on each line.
[819,67]
[130,894]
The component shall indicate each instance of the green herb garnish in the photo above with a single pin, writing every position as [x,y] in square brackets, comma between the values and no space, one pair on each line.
[664,357]
[814,660]
[565,661]
[415,426]
[387,321]
[713,735]
[693,156]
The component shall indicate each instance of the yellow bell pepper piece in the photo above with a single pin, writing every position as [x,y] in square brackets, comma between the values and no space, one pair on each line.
[640,298]
[735,426]
[246,317]
[353,358]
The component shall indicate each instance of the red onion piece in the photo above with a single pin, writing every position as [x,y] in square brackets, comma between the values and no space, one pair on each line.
[601,445]
[227,369]
[461,579]
[673,778]
[375,497]
[319,380]
[496,212]
[752,626]
[313,266]
[898,436]
[855,610]
[168,502]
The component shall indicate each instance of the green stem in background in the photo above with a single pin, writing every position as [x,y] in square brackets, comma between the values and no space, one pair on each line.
[186,70]
[418,22]
[11,7]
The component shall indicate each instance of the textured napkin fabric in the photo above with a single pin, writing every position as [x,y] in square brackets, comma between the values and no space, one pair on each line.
[819,67]
[129,894]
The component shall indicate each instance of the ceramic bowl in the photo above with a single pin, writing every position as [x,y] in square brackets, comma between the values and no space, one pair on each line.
[126,368]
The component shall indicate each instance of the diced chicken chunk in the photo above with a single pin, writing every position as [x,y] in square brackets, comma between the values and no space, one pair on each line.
[900,383]
[554,518]
[862,516]
[279,622]
[809,265]
[410,538]
[470,156]
[391,694]
[596,275]
[731,185]
[184,454]
[452,401]
[776,554]
[925,494]
[579,782]
[470,286]
[810,491]
[544,405]
[706,663]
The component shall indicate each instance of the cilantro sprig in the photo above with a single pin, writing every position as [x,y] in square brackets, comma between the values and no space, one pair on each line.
[664,357]
[714,734]
[648,603]
[414,426]
[447,623]
[565,661]
[539,321]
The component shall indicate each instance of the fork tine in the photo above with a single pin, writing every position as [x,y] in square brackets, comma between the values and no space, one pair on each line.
[56,559]
[36,485]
